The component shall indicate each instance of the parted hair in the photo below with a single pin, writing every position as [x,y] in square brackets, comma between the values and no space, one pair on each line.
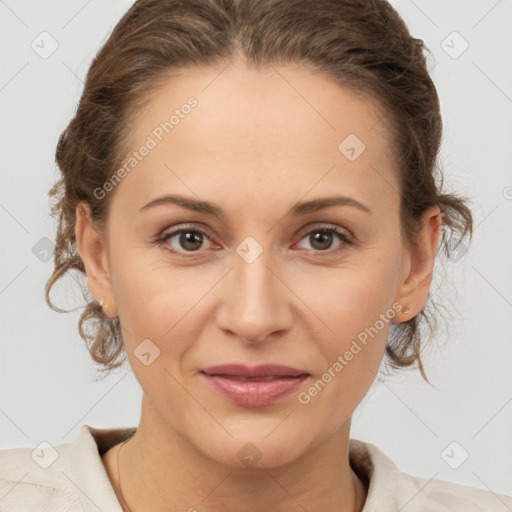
[363,45]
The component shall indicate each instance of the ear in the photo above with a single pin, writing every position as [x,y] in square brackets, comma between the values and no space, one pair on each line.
[92,249]
[419,266]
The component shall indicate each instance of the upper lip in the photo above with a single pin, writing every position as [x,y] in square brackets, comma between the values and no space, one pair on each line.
[265,370]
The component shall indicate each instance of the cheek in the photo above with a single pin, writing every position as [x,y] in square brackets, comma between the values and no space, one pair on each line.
[351,353]
[350,299]
[355,310]
[161,305]
[156,299]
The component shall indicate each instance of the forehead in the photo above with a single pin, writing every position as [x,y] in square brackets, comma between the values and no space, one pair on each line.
[272,131]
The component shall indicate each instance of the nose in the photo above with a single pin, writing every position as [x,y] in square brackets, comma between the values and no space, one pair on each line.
[255,301]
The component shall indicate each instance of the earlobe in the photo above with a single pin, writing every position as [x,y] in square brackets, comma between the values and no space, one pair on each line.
[415,287]
[91,247]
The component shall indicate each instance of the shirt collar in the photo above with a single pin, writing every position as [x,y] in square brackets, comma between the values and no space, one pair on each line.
[371,465]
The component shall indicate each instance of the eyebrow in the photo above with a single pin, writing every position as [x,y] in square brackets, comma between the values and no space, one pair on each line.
[216,211]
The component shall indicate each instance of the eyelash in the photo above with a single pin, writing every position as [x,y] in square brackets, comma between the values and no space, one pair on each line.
[162,240]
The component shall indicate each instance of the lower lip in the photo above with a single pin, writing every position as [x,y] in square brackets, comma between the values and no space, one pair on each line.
[254,393]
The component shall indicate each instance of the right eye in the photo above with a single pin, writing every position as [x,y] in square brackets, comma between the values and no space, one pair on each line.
[185,239]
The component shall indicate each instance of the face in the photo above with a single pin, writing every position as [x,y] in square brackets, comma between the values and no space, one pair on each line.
[265,273]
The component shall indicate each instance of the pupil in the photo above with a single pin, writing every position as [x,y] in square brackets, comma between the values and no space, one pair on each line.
[322,237]
[190,240]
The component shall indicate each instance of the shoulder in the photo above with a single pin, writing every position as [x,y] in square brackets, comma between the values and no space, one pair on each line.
[35,479]
[442,496]
[391,489]
[67,476]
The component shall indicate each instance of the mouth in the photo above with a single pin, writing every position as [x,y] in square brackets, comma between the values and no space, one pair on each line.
[254,386]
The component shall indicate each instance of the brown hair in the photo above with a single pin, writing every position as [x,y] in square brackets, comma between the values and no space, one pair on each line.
[363,45]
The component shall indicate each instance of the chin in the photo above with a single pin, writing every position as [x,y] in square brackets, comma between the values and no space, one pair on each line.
[262,455]
[257,448]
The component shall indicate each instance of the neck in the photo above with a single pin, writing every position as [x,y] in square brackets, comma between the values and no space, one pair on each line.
[161,470]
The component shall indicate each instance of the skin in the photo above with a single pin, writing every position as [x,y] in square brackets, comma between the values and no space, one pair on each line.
[258,142]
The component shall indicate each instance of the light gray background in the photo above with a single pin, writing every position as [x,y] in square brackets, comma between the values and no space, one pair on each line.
[47,378]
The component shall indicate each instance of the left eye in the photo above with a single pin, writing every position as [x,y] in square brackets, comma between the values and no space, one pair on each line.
[322,238]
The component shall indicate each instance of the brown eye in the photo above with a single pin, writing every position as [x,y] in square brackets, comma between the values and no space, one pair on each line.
[322,239]
[184,240]
[190,240]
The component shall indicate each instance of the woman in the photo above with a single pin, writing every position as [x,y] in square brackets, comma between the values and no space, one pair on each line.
[249,188]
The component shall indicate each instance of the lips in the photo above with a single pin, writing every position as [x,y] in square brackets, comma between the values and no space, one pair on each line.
[267,370]
[253,386]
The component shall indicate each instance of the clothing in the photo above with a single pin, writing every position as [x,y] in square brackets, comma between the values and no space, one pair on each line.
[78,482]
